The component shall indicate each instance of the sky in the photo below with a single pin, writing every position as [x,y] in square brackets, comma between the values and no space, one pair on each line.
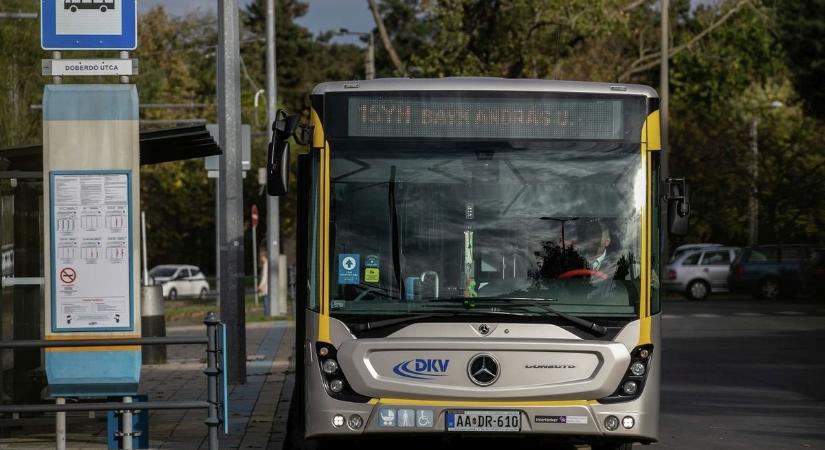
[323,15]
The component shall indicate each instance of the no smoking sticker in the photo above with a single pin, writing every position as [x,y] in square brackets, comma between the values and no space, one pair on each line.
[68,275]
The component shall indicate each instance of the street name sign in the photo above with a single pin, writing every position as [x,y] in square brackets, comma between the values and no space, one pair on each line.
[90,67]
[88,24]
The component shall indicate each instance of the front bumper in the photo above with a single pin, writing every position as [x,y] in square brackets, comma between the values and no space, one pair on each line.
[585,420]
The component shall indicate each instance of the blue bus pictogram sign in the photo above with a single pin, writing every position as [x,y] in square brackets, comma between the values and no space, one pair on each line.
[88,24]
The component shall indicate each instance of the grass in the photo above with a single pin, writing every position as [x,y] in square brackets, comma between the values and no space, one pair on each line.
[193,310]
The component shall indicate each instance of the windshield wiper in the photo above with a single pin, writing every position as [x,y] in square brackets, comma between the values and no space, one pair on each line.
[532,301]
[383,323]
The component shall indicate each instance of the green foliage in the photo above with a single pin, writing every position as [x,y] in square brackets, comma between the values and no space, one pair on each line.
[801,28]
[20,81]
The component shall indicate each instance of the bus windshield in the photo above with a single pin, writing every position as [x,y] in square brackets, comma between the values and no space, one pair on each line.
[427,225]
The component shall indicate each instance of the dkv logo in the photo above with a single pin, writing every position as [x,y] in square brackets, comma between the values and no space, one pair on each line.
[422,369]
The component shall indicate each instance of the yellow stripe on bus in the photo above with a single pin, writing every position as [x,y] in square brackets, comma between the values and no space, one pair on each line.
[651,141]
[319,141]
[486,403]
[654,134]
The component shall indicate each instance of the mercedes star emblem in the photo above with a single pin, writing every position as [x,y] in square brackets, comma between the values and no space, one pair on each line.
[483,329]
[483,369]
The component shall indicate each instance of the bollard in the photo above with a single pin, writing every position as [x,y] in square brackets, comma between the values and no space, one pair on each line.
[153,323]
[126,426]
[60,426]
[212,420]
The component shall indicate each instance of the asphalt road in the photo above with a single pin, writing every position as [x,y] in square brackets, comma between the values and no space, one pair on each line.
[738,374]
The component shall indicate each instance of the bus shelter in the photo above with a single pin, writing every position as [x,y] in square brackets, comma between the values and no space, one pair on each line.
[22,377]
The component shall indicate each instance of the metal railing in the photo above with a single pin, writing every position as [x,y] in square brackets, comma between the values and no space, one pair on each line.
[214,372]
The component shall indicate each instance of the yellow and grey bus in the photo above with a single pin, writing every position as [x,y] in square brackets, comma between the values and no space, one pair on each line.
[479,256]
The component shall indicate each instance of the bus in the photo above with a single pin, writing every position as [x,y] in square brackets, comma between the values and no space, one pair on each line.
[478,256]
[102,5]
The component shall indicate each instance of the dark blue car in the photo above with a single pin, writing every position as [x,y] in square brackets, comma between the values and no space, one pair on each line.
[766,271]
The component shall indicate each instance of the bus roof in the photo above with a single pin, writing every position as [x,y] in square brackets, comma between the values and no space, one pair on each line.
[483,84]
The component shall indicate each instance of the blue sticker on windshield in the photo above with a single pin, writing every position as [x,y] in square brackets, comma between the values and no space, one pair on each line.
[349,268]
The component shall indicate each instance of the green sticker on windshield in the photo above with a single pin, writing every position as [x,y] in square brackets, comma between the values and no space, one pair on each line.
[372,274]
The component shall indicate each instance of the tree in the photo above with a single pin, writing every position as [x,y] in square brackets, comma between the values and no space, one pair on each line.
[801,26]
[20,82]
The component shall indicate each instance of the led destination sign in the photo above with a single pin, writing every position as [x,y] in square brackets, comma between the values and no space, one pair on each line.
[498,118]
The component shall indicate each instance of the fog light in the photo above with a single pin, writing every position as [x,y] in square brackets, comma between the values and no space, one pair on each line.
[355,421]
[611,423]
[330,366]
[630,387]
[628,422]
[338,421]
[336,386]
[323,351]
[637,368]
[644,353]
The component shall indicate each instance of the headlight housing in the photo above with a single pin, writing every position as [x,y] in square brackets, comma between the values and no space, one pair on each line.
[633,381]
[335,381]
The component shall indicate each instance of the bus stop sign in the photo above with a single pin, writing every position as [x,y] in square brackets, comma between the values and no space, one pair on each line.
[88,24]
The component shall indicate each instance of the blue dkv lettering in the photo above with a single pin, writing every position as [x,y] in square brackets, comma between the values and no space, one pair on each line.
[422,369]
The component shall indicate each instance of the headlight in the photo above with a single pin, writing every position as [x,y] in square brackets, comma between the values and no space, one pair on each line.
[355,422]
[628,422]
[611,423]
[637,368]
[330,366]
[336,386]
[630,387]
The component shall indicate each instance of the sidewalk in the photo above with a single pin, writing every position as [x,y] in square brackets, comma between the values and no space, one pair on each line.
[256,417]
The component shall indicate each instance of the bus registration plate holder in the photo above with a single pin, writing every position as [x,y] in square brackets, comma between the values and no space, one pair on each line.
[484,421]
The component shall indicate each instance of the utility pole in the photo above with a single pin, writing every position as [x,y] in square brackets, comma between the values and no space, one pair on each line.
[369,60]
[277,305]
[664,93]
[230,189]
[370,70]
[753,203]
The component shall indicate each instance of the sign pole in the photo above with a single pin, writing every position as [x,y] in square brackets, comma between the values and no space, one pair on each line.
[233,313]
[277,305]
[143,241]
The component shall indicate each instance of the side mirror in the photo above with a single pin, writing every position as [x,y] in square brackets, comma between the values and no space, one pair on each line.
[678,206]
[277,158]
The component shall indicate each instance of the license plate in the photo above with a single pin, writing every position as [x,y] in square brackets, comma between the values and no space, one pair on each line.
[483,421]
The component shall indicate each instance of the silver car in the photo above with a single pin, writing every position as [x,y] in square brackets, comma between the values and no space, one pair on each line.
[700,272]
[689,248]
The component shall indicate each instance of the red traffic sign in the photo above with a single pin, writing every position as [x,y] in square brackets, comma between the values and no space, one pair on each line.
[254,216]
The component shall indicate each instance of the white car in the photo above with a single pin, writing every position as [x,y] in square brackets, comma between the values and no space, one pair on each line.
[697,273]
[681,250]
[178,280]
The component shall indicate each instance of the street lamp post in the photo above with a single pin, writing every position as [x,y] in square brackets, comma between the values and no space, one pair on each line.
[753,203]
[369,63]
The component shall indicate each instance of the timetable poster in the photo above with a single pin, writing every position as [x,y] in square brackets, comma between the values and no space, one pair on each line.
[91,252]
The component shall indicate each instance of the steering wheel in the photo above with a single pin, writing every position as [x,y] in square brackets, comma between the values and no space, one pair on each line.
[583,273]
